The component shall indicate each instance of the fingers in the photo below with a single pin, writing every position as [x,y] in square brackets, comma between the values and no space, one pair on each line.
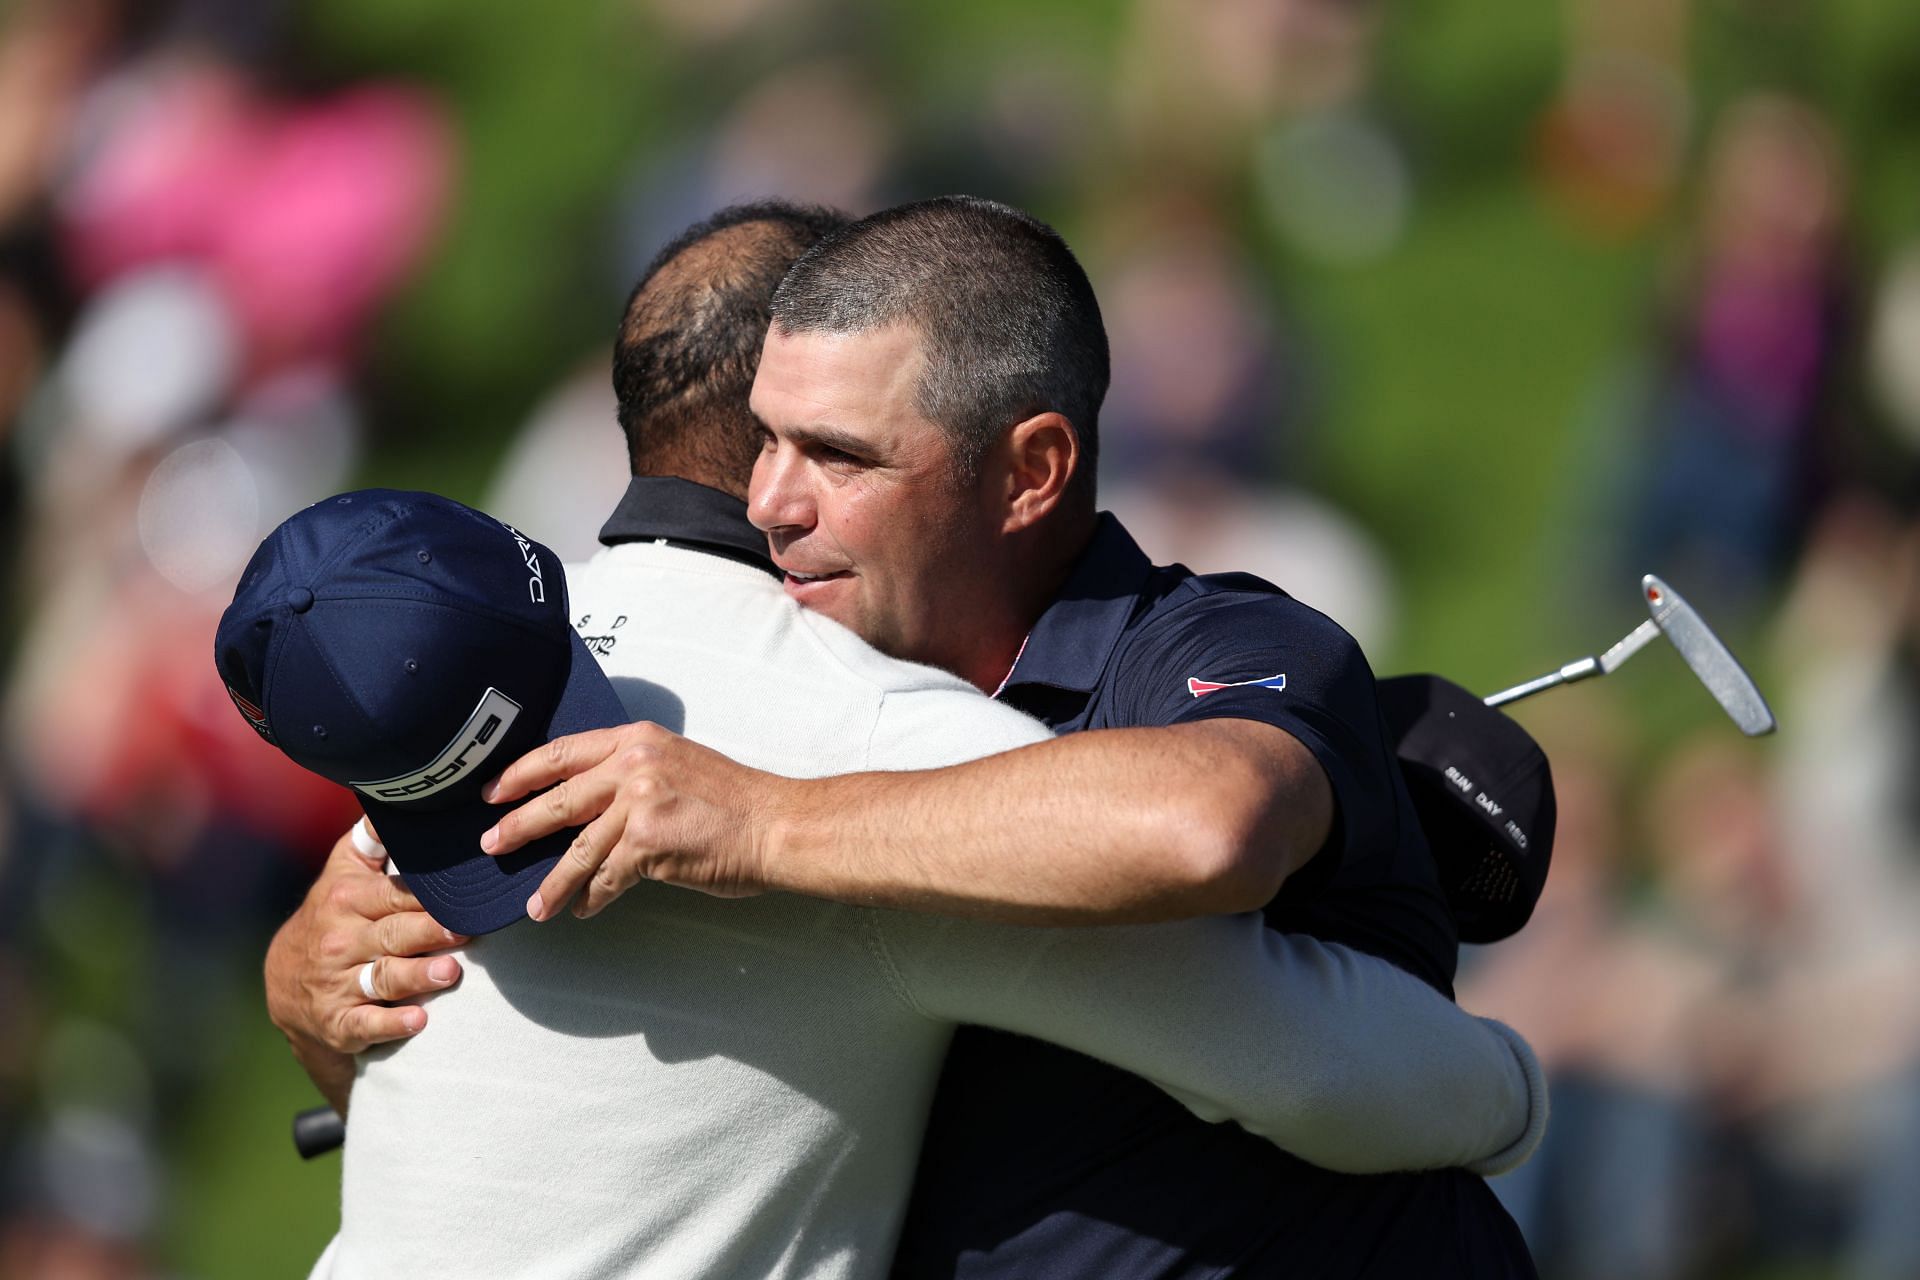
[576,866]
[411,933]
[389,896]
[367,1024]
[369,895]
[396,978]
[351,1008]
[360,939]
[578,799]
[557,760]
[615,876]
[383,897]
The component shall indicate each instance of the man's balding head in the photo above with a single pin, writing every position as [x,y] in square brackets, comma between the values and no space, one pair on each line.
[689,342]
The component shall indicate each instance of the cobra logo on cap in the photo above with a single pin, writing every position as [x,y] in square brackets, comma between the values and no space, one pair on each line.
[461,756]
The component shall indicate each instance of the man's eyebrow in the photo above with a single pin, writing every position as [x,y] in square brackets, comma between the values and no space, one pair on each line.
[826,435]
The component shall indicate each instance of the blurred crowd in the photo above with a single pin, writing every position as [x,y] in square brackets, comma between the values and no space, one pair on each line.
[192,252]
[1719,976]
[206,233]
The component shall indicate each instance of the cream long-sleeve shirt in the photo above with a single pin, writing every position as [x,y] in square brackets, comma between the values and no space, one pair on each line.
[685,1086]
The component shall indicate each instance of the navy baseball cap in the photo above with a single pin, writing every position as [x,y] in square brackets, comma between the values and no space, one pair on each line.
[1484,794]
[410,648]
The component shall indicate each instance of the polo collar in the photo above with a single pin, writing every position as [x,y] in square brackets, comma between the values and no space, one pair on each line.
[1069,646]
[681,513]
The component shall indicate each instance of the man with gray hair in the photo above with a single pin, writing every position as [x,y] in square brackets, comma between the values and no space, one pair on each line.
[695,1088]
[929,392]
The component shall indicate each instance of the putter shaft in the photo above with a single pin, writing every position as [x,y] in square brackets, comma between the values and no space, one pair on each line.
[1578,670]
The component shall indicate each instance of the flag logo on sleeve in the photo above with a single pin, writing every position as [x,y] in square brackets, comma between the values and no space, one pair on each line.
[1198,687]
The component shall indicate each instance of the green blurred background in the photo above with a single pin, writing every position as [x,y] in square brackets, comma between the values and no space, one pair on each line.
[1518,301]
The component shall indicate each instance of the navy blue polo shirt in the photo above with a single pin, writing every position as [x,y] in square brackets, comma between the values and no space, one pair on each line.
[1041,1162]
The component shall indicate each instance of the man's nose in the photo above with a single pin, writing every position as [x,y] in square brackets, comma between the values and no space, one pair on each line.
[777,496]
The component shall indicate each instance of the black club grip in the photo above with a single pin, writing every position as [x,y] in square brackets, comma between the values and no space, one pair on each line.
[317,1131]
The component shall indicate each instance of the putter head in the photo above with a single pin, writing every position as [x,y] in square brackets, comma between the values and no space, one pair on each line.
[1711,660]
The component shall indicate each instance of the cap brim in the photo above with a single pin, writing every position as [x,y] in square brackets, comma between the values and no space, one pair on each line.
[1433,724]
[438,853]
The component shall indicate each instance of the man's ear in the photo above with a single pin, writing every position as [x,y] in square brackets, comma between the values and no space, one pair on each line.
[1041,455]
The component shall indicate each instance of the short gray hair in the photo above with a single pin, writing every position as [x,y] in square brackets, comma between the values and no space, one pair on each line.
[1007,317]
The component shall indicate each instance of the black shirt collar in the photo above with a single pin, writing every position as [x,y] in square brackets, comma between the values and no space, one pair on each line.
[681,513]
[1069,646]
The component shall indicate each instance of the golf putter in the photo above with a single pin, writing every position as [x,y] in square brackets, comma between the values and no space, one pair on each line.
[1710,660]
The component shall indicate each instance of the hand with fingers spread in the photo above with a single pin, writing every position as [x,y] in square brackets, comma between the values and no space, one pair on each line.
[655,806]
[360,939]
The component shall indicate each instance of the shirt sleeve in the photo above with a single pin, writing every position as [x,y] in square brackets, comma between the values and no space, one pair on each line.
[1267,657]
[1333,1055]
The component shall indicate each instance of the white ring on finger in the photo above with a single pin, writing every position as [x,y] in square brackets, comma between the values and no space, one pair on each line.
[365,845]
[366,981]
